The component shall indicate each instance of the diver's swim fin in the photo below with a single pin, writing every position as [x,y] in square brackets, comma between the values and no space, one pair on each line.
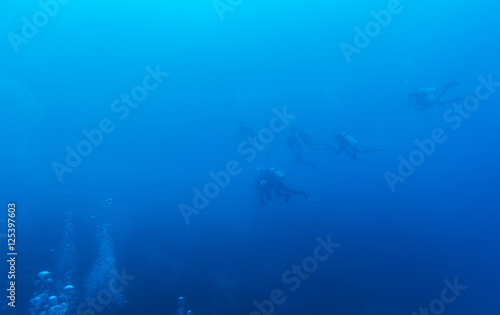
[451,84]
[284,205]
[311,199]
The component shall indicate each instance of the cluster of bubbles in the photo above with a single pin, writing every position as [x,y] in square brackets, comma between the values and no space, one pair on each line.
[101,273]
[52,298]
[67,260]
[48,298]
[182,305]
[107,204]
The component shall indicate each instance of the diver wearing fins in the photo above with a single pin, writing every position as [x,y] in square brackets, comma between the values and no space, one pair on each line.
[270,180]
[428,97]
[347,145]
[300,141]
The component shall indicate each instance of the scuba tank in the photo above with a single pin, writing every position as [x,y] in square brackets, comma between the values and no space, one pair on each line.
[428,90]
[349,140]
[430,93]
[276,173]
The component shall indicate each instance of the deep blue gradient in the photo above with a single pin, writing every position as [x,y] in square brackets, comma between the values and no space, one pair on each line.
[397,245]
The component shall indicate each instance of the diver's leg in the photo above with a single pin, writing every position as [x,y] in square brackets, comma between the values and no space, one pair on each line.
[361,149]
[376,148]
[451,84]
[284,205]
[352,151]
[261,197]
[315,146]
[291,192]
[448,86]
[284,190]
[268,202]
[300,160]
[454,100]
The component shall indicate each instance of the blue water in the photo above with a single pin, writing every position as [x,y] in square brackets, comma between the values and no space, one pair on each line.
[125,222]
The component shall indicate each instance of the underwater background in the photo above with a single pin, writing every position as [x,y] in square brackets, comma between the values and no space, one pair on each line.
[133,181]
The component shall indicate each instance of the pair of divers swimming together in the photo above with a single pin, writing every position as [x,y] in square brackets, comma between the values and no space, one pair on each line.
[269,181]
[300,141]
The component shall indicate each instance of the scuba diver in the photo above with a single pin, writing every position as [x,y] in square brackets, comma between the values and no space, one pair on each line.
[270,180]
[349,146]
[300,141]
[428,97]
[182,304]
